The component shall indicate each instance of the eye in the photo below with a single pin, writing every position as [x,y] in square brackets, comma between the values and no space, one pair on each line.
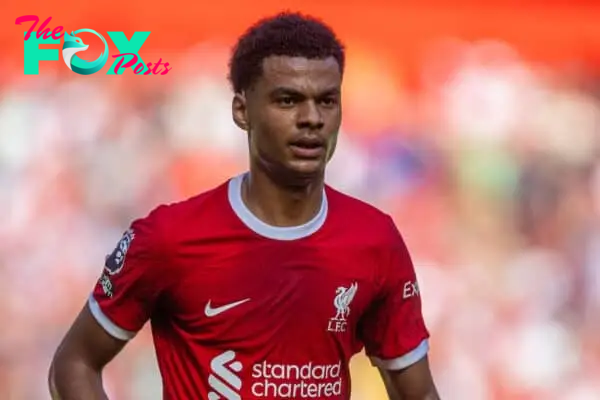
[286,101]
[329,101]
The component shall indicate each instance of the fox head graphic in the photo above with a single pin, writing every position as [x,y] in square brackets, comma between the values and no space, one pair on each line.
[72,45]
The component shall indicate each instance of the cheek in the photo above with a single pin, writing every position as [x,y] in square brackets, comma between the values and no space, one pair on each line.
[275,125]
[334,119]
[332,125]
[332,143]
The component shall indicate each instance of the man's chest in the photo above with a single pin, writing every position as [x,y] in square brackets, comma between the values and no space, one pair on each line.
[273,293]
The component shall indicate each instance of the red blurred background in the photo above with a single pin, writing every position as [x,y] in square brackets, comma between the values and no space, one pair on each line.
[476,125]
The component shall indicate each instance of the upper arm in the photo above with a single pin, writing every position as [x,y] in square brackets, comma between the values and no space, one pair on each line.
[414,382]
[123,299]
[393,328]
[88,343]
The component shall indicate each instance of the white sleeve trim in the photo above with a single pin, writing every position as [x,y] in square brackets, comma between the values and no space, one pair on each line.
[403,361]
[110,327]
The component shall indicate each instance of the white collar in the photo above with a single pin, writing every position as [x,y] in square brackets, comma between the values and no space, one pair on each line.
[270,231]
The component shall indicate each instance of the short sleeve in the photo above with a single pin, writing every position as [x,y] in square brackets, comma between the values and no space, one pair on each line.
[127,291]
[393,329]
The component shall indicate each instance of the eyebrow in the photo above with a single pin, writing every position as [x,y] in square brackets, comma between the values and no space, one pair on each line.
[283,90]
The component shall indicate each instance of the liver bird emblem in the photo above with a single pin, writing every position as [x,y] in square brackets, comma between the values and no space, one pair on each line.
[342,301]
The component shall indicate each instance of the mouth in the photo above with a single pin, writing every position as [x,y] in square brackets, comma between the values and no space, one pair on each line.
[308,147]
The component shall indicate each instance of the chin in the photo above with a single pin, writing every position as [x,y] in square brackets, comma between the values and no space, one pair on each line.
[307,167]
[305,171]
[293,171]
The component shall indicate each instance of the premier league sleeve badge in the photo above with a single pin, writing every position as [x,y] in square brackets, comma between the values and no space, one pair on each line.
[115,261]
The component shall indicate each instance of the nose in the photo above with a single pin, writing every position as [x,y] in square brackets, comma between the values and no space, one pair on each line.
[310,116]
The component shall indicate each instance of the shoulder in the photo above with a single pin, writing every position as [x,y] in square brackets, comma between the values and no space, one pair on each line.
[161,228]
[373,224]
[177,214]
[368,230]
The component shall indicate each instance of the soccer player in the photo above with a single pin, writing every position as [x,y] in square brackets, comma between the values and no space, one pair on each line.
[265,286]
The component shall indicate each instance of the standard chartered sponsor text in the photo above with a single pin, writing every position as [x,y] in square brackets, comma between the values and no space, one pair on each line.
[296,381]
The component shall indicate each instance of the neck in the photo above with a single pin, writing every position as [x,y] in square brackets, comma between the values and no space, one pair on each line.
[279,205]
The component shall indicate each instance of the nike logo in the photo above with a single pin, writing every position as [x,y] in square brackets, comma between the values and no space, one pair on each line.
[209,311]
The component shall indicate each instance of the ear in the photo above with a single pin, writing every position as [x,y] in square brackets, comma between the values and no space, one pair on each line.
[239,111]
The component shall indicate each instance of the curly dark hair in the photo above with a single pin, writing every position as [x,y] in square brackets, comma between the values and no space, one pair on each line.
[285,34]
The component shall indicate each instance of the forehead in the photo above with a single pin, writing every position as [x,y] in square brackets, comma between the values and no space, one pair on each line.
[300,73]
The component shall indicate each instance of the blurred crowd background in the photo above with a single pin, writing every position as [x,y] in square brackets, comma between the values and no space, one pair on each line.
[476,127]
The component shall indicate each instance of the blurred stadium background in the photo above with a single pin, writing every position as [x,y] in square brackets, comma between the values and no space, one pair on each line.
[475,124]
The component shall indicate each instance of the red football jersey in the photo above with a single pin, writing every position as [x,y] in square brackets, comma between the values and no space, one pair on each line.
[243,310]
